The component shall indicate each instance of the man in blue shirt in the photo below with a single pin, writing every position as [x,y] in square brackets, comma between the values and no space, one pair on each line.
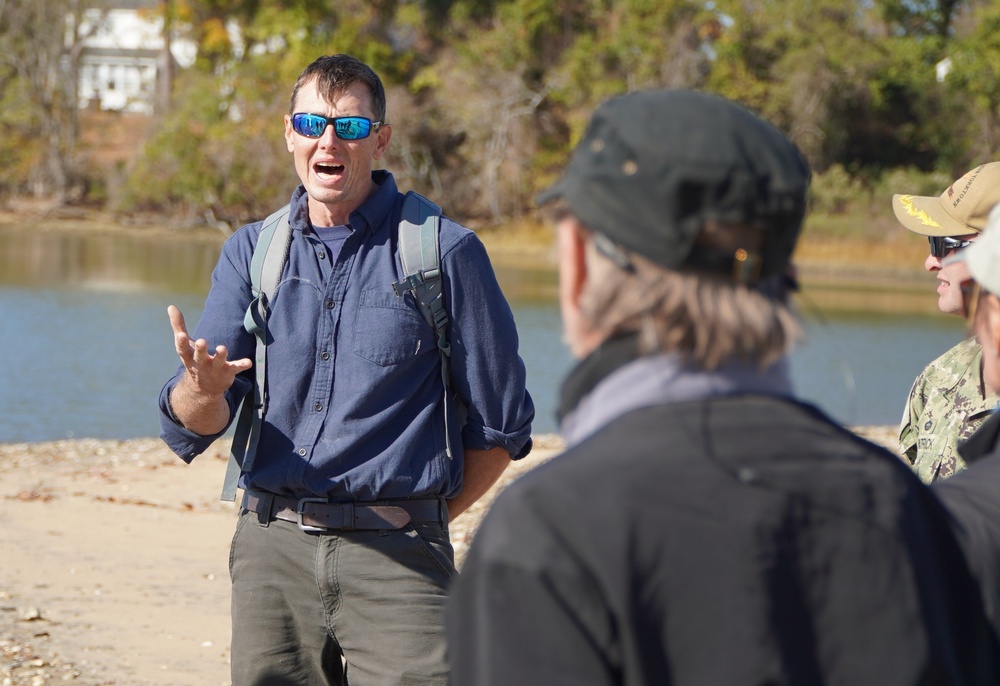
[341,556]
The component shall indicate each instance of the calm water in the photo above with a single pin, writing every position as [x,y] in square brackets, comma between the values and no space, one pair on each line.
[88,344]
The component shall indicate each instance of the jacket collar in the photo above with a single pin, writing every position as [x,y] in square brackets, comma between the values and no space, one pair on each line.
[602,361]
[983,442]
[614,380]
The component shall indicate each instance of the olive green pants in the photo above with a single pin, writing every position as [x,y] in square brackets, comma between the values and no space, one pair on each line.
[346,608]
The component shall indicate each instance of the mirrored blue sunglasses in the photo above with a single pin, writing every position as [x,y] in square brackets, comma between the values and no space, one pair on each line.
[345,128]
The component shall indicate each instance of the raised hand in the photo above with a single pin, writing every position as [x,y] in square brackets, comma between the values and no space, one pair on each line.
[211,373]
[197,400]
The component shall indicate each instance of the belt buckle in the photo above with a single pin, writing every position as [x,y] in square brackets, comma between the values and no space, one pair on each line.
[300,509]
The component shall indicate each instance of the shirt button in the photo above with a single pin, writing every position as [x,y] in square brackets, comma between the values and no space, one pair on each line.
[318,407]
[325,356]
[322,255]
[329,303]
[302,452]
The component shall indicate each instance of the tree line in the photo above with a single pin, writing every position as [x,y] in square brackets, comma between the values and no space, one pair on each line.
[486,97]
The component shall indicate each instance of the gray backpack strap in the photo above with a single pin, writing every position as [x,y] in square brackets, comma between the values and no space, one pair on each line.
[420,256]
[266,265]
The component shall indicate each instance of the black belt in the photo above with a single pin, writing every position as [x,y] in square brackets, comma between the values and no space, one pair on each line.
[317,514]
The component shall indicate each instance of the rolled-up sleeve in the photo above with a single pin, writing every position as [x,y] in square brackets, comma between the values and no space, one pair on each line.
[486,369]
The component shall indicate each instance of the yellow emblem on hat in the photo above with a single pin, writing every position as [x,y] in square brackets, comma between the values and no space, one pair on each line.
[925,219]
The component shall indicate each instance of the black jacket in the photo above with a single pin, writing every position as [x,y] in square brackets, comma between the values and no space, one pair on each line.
[740,540]
[973,498]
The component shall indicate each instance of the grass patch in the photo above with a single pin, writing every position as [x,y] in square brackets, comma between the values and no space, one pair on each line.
[527,241]
[851,243]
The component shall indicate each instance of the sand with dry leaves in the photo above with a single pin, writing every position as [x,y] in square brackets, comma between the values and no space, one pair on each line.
[114,562]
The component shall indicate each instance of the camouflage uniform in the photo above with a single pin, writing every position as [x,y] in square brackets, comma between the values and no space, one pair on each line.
[947,404]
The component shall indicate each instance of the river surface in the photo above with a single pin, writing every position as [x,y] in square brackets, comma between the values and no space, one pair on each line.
[87,345]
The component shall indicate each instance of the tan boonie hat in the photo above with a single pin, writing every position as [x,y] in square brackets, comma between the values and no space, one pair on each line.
[961,210]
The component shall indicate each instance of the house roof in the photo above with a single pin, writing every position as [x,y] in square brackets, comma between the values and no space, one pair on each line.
[126,4]
[131,53]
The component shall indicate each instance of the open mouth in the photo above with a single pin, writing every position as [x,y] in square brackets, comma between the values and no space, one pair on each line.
[329,169]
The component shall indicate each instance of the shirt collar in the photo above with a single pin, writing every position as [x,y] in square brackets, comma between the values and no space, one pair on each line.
[370,215]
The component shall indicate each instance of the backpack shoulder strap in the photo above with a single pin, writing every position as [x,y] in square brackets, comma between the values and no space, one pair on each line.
[418,238]
[270,254]
[266,265]
[420,257]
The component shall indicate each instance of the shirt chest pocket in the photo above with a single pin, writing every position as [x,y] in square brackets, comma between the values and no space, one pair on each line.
[389,329]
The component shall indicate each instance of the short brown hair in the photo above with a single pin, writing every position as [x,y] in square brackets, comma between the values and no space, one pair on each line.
[705,318]
[334,74]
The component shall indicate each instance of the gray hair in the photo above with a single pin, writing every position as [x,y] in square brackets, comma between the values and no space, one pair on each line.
[705,318]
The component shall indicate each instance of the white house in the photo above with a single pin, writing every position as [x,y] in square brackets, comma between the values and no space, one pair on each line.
[124,56]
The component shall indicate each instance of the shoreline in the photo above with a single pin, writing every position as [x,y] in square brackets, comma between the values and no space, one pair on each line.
[837,276]
[891,259]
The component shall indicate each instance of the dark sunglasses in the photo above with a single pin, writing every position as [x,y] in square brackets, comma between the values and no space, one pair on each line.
[345,128]
[942,245]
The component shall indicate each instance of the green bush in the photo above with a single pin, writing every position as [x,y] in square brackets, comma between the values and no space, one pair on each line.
[836,192]
[910,181]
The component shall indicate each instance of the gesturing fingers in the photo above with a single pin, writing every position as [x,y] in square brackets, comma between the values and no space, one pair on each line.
[210,370]
[201,355]
[237,366]
[176,320]
[182,342]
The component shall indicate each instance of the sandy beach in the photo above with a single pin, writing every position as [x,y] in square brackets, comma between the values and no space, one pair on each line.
[114,561]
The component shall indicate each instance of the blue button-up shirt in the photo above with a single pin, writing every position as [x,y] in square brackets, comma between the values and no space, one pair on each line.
[356,403]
